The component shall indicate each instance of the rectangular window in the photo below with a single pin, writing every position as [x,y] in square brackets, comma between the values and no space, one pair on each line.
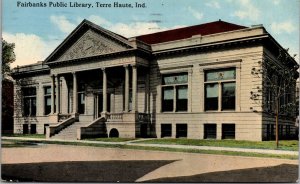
[181,130]
[210,131]
[220,74]
[47,100]
[270,132]
[228,96]
[81,98]
[81,103]
[228,131]
[175,92]
[220,88]
[168,99]
[181,98]
[166,130]
[33,129]
[180,78]
[25,129]
[211,96]
[29,101]
[269,98]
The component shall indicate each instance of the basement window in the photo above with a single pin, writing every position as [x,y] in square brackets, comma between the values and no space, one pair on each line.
[210,131]
[166,130]
[181,130]
[228,131]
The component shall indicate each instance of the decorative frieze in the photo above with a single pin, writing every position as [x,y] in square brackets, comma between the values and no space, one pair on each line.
[91,44]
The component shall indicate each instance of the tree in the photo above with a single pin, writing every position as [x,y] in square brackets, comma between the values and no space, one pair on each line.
[8,57]
[276,97]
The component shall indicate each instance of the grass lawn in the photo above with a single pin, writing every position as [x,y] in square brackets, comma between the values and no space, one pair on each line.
[21,143]
[292,145]
[110,139]
[25,135]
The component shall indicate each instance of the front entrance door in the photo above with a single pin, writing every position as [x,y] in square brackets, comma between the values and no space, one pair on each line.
[98,104]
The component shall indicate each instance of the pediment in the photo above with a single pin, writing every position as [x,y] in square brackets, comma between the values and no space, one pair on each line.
[91,44]
[87,40]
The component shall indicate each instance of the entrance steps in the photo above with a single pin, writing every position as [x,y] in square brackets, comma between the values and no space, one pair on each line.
[70,132]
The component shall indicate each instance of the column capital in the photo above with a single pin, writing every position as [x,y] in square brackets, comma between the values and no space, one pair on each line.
[73,73]
[103,69]
[125,66]
[133,65]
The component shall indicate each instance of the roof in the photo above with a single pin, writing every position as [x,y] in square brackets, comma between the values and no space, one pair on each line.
[187,32]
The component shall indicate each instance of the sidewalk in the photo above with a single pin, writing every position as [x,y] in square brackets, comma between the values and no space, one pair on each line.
[135,143]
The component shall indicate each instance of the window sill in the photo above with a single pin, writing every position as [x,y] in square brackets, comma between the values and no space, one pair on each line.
[180,112]
[221,111]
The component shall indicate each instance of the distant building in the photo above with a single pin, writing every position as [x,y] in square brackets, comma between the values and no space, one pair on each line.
[192,82]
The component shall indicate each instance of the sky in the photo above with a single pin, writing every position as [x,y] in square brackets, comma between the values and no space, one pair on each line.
[37,31]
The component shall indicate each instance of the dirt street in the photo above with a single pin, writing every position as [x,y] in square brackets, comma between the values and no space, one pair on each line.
[59,163]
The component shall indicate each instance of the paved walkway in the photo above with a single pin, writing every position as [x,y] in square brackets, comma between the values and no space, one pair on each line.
[135,143]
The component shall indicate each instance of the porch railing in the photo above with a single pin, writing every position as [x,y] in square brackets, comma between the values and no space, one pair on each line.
[119,117]
[143,117]
[114,116]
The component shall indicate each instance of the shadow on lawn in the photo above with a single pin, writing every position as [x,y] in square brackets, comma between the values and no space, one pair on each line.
[285,173]
[78,171]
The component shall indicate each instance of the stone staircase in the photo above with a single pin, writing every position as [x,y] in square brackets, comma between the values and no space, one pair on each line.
[70,132]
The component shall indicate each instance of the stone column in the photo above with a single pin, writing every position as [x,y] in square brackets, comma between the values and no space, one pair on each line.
[40,107]
[220,96]
[190,91]
[201,91]
[134,88]
[57,94]
[238,87]
[53,95]
[147,93]
[75,103]
[126,88]
[104,90]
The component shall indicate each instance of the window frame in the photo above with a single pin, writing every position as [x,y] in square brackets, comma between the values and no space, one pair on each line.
[175,87]
[207,131]
[30,97]
[220,83]
[181,130]
[227,132]
[165,130]
[46,96]
[81,91]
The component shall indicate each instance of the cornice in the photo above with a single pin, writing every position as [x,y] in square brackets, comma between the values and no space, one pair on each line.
[213,45]
[103,56]
[29,73]
[129,52]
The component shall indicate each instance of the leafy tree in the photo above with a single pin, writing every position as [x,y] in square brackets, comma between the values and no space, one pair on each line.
[277,95]
[8,57]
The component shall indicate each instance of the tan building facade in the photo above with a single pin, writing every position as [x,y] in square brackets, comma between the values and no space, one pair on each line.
[193,82]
